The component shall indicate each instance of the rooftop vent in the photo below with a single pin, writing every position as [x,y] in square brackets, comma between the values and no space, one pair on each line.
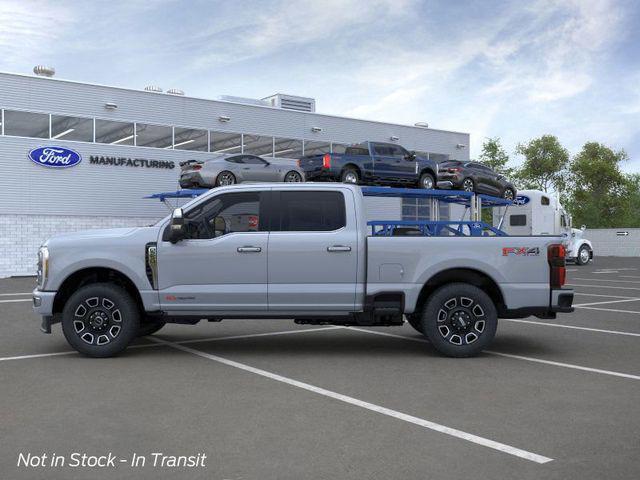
[175,91]
[291,102]
[43,71]
[153,88]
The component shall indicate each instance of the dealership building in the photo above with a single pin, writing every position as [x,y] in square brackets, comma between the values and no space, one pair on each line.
[129,144]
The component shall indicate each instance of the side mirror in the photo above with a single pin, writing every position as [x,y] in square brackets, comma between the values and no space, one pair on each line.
[410,156]
[177,227]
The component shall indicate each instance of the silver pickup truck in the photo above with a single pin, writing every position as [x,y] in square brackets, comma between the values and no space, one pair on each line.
[299,251]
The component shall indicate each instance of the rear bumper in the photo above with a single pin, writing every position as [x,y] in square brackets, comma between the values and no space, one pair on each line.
[319,175]
[191,179]
[561,301]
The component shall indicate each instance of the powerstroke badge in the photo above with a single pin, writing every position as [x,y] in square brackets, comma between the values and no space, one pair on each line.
[521,251]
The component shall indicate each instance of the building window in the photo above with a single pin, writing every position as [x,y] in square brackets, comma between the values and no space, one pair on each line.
[157,136]
[316,148]
[257,145]
[225,142]
[115,133]
[26,124]
[190,139]
[71,128]
[287,148]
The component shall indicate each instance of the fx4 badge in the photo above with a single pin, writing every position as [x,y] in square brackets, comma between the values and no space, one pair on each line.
[521,251]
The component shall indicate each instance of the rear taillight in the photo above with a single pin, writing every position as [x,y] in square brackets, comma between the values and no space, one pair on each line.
[556,259]
[196,167]
[453,170]
[326,161]
[298,162]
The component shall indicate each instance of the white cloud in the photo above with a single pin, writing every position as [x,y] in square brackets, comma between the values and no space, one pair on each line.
[30,29]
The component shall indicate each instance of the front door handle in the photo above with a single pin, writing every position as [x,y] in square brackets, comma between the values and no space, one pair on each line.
[339,248]
[249,249]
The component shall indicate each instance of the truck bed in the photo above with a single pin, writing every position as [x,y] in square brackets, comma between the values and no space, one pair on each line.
[518,265]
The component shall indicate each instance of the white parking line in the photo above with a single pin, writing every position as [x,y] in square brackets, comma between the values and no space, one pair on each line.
[607,280]
[16,300]
[14,294]
[573,327]
[519,357]
[194,340]
[609,301]
[611,310]
[469,437]
[600,295]
[603,286]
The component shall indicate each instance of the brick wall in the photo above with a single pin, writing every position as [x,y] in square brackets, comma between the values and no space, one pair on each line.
[22,235]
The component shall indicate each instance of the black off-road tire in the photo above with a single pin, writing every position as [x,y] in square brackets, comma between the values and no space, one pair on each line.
[105,314]
[415,320]
[459,319]
[149,328]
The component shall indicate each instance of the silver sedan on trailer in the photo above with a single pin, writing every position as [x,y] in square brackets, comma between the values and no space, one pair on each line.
[238,168]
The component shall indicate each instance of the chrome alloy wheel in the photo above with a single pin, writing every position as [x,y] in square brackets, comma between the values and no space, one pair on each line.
[226,178]
[508,194]
[350,177]
[293,177]
[461,320]
[467,185]
[97,321]
[584,255]
[427,182]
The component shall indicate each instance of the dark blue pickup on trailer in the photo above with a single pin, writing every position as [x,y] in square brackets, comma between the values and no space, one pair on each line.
[372,163]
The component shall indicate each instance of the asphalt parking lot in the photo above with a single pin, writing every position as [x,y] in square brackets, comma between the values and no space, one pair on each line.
[268,399]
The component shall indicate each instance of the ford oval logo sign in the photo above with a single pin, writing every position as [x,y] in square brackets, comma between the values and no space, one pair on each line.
[521,200]
[55,157]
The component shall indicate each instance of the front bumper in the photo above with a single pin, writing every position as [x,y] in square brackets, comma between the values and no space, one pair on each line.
[43,305]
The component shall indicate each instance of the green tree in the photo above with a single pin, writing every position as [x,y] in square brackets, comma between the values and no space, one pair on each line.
[600,195]
[494,156]
[545,164]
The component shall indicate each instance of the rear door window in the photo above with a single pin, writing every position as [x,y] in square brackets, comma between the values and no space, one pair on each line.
[311,211]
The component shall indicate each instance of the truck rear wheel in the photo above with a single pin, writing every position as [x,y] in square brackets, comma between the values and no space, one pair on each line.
[350,175]
[100,320]
[459,319]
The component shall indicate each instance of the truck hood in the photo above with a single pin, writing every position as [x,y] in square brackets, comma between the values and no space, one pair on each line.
[107,237]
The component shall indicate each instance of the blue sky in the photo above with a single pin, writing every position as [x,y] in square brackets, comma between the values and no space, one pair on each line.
[515,69]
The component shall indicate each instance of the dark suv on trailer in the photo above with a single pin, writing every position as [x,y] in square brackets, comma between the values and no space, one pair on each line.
[475,177]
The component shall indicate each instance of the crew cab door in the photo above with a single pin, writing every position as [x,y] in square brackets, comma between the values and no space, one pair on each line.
[313,251]
[222,264]
[391,164]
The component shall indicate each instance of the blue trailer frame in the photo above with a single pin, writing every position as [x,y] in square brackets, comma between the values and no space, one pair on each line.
[473,202]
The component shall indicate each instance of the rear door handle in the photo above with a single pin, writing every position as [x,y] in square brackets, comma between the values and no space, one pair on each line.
[249,249]
[339,248]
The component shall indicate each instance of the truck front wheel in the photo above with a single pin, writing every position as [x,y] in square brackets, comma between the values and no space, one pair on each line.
[584,255]
[459,319]
[100,320]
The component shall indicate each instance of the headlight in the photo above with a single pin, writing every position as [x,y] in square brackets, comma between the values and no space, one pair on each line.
[43,267]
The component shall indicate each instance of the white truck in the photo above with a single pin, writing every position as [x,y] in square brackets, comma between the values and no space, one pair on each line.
[535,212]
[305,254]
